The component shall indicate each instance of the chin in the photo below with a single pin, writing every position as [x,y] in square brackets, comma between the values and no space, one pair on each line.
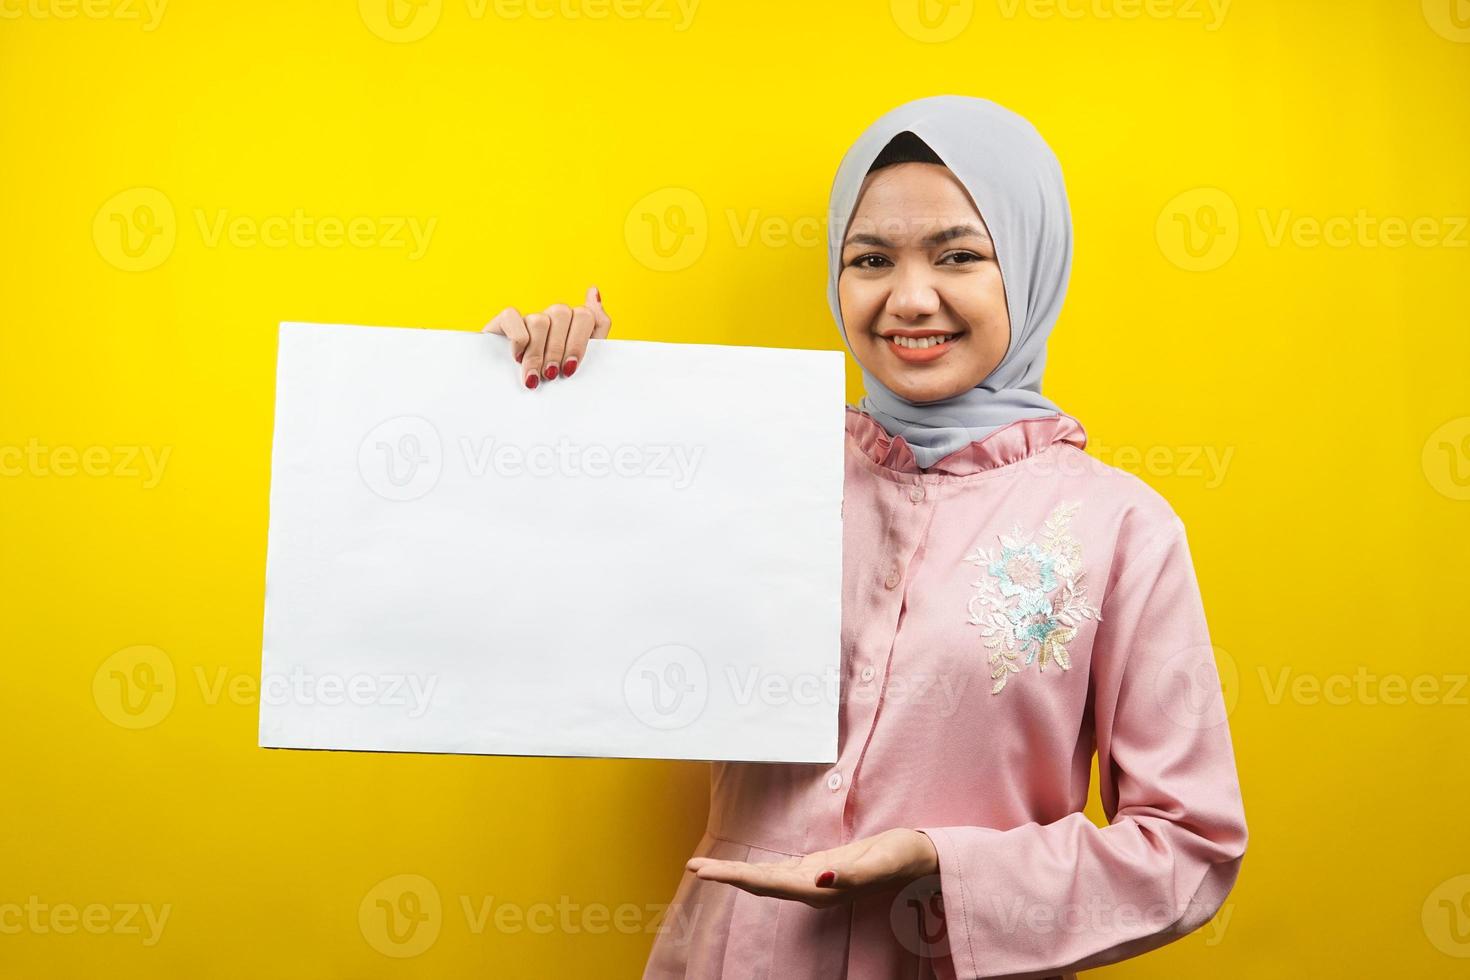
[919,390]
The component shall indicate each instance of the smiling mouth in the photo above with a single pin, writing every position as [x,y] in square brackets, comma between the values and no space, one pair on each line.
[920,343]
[921,350]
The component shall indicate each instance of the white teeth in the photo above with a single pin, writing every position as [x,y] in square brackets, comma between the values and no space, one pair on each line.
[921,343]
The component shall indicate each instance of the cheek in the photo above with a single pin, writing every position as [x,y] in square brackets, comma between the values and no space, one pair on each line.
[983,308]
[856,299]
[982,305]
[981,300]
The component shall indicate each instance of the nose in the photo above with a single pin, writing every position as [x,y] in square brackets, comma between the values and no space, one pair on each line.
[913,295]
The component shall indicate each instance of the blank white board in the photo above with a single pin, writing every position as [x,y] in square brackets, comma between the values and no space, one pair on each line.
[641,561]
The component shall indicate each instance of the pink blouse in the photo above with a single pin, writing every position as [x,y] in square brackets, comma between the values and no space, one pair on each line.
[1006,613]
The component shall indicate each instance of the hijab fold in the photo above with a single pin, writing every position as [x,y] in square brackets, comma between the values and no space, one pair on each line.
[1015,181]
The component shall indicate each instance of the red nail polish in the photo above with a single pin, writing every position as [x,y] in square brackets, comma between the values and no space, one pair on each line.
[550,372]
[826,878]
[568,368]
[532,381]
[598,293]
[520,354]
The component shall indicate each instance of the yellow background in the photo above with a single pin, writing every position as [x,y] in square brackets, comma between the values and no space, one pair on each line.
[1333,378]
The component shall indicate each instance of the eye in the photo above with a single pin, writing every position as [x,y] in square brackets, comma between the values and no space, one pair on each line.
[861,262]
[963,258]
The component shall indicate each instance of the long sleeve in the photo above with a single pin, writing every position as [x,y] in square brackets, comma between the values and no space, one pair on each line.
[1069,895]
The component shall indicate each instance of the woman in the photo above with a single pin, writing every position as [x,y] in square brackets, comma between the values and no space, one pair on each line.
[1010,607]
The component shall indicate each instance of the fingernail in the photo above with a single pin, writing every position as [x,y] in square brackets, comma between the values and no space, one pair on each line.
[532,381]
[598,293]
[520,354]
[550,371]
[825,879]
[568,367]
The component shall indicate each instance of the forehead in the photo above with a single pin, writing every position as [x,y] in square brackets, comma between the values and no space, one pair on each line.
[924,195]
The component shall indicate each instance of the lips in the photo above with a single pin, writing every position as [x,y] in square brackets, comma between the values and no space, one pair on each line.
[919,343]
[920,346]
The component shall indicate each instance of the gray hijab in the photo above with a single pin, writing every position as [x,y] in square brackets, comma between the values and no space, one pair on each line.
[1016,183]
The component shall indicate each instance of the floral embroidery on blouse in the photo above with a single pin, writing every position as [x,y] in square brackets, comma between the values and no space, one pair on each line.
[1032,598]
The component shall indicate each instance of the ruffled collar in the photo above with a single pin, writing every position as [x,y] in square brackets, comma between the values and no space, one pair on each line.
[1008,444]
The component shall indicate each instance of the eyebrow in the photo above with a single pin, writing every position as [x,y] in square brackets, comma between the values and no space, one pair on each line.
[938,238]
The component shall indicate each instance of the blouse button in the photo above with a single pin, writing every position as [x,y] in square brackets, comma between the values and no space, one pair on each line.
[916,493]
[891,582]
[867,674]
[834,780]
